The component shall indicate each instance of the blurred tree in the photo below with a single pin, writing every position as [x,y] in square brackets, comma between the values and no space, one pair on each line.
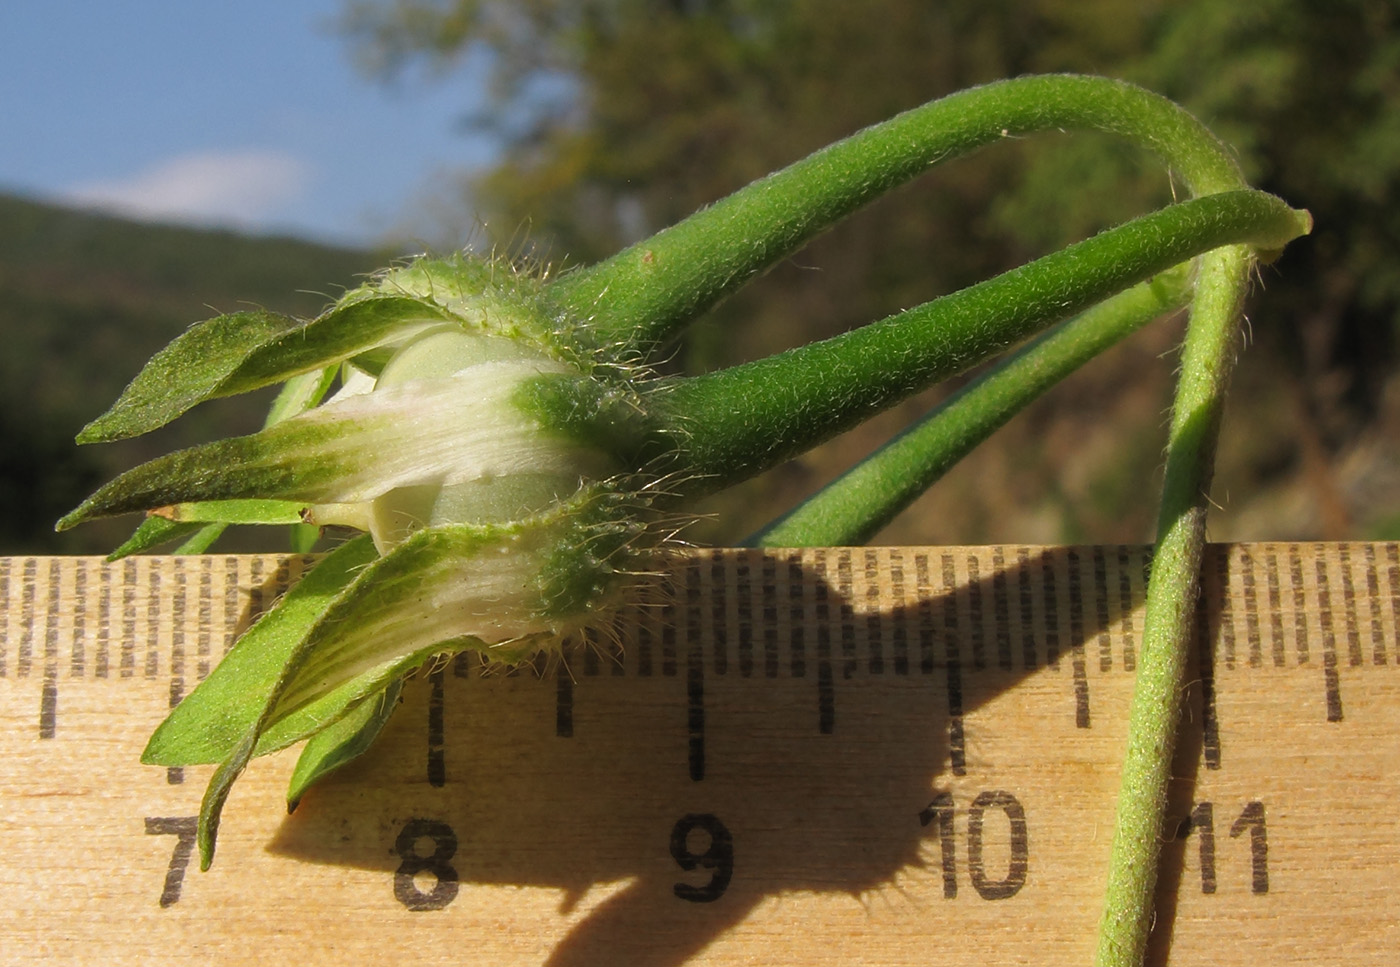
[621,116]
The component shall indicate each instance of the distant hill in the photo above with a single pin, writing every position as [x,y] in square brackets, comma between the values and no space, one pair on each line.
[85,299]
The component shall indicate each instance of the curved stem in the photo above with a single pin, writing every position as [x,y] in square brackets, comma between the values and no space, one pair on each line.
[852,508]
[647,293]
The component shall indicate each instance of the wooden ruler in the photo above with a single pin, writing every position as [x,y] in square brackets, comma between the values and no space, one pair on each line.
[839,756]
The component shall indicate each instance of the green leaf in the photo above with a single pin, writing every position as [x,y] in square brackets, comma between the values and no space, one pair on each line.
[203,539]
[186,372]
[244,351]
[333,337]
[153,532]
[208,725]
[346,739]
[234,512]
[301,393]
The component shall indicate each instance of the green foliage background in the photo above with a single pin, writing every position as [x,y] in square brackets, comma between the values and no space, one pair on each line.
[621,116]
[624,115]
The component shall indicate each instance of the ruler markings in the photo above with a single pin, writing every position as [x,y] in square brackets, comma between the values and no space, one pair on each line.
[1126,606]
[1373,600]
[925,609]
[1026,620]
[1331,679]
[1100,598]
[155,607]
[874,639]
[48,696]
[695,711]
[1000,610]
[1226,625]
[127,662]
[1076,637]
[77,657]
[1300,604]
[24,654]
[1205,671]
[102,662]
[1392,570]
[232,600]
[4,614]
[1275,607]
[769,589]
[721,599]
[255,605]
[797,607]
[204,634]
[1251,609]
[437,742]
[743,588]
[976,627]
[845,585]
[1050,605]
[1353,631]
[821,613]
[896,605]
[952,662]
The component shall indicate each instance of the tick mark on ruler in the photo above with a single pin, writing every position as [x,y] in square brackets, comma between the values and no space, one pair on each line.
[48,701]
[695,718]
[1331,682]
[437,766]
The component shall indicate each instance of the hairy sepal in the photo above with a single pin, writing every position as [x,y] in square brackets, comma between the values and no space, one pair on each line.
[359,447]
[243,351]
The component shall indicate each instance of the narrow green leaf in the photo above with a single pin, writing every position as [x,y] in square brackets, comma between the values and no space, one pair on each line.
[303,538]
[152,533]
[301,393]
[333,337]
[343,741]
[234,512]
[208,725]
[852,508]
[236,353]
[203,539]
[185,372]
[211,807]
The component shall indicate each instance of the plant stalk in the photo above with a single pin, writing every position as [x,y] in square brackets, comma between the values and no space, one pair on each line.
[646,294]
[1208,357]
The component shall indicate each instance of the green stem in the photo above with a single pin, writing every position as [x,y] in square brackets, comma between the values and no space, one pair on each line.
[1207,360]
[647,293]
[730,425]
[852,508]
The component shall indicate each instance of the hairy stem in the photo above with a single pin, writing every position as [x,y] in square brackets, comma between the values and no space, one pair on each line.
[647,293]
[852,508]
[727,426]
[1208,358]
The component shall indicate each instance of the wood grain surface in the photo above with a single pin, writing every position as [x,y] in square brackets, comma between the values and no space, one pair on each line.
[832,756]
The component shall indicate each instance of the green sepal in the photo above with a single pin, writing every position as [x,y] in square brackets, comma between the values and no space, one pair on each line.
[185,373]
[269,463]
[203,539]
[208,725]
[234,512]
[301,393]
[244,351]
[152,533]
[342,741]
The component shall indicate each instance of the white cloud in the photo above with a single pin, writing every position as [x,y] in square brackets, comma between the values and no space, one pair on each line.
[243,188]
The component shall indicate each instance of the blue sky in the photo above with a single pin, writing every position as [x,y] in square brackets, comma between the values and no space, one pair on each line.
[248,114]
